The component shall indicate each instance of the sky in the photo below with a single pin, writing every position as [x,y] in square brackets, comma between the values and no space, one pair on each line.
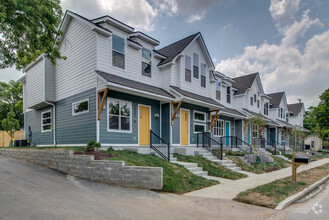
[286,41]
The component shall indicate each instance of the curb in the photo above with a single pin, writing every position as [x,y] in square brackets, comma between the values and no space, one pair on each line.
[285,203]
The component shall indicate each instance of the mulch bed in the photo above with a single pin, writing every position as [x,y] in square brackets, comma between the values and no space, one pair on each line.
[97,155]
[271,169]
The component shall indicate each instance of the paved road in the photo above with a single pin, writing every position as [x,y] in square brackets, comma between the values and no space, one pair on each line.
[29,191]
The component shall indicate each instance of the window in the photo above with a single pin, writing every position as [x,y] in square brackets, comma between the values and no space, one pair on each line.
[255,97]
[118,51]
[195,65]
[46,121]
[284,113]
[219,128]
[203,75]
[199,128]
[199,116]
[257,103]
[266,108]
[80,107]
[218,90]
[187,68]
[283,136]
[119,115]
[251,101]
[228,94]
[146,62]
[279,112]
[255,131]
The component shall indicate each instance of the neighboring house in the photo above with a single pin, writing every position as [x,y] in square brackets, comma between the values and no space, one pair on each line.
[280,114]
[296,114]
[251,100]
[313,142]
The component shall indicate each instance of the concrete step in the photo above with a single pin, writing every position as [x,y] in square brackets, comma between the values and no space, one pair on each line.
[229,165]
[173,159]
[235,168]
[195,169]
[186,165]
[201,173]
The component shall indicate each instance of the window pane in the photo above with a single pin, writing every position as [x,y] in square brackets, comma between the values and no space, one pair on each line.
[196,72]
[146,55]
[218,95]
[251,101]
[257,103]
[218,86]
[146,69]
[114,107]
[125,123]
[199,128]
[46,121]
[203,81]
[187,75]
[46,127]
[125,109]
[114,122]
[46,115]
[81,107]
[118,60]
[195,59]
[203,69]
[187,62]
[118,44]
[199,116]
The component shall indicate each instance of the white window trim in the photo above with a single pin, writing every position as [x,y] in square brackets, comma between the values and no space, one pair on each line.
[197,120]
[197,132]
[124,54]
[222,128]
[108,117]
[51,122]
[79,113]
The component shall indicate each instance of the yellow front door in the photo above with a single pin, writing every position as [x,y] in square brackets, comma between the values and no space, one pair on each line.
[184,127]
[144,125]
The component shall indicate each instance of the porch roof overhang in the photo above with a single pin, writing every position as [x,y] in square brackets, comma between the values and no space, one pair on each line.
[121,84]
[232,113]
[285,124]
[270,122]
[196,99]
[302,128]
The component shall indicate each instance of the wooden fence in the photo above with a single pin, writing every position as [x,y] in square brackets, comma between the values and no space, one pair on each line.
[5,138]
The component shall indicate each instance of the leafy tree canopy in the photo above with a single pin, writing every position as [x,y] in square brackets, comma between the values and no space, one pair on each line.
[11,99]
[28,28]
[317,119]
[10,124]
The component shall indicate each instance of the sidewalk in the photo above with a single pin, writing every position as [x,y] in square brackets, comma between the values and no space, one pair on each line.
[230,189]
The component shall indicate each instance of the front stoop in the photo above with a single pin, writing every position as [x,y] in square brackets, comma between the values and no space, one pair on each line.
[192,167]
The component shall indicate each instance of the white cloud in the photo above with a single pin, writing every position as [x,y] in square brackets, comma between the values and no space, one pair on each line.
[283,67]
[227,27]
[196,17]
[282,11]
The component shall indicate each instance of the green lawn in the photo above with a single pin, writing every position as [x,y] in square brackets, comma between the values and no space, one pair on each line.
[213,169]
[271,194]
[176,178]
[279,163]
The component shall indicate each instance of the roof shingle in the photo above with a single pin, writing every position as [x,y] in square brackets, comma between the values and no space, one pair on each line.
[276,99]
[242,83]
[295,108]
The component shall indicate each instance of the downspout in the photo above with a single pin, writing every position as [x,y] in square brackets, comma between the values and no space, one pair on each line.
[54,116]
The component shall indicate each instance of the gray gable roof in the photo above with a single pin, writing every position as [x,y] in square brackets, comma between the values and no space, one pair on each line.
[295,108]
[233,111]
[270,121]
[288,125]
[276,99]
[197,97]
[133,84]
[172,50]
[242,83]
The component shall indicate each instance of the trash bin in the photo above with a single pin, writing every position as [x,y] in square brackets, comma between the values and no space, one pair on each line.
[24,143]
[17,143]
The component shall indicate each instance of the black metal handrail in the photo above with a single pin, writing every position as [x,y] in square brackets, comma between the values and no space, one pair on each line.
[160,146]
[208,143]
[234,142]
[259,142]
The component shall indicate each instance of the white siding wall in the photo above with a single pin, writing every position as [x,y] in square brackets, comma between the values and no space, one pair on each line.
[35,84]
[133,59]
[195,84]
[166,77]
[77,73]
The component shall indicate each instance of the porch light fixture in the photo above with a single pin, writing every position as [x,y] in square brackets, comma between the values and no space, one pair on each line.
[156,115]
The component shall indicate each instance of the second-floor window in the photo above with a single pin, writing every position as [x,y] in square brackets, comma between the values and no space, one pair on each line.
[257,103]
[218,90]
[195,65]
[118,51]
[266,108]
[203,75]
[279,112]
[251,101]
[255,97]
[228,94]
[187,68]
[146,62]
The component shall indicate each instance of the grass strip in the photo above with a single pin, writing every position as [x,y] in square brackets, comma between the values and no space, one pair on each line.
[271,194]
[213,169]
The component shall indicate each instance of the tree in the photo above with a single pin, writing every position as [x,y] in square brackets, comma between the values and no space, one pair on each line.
[296,137]
[318,119]
[11,99]
[259,121]
[28,29]
[10,124]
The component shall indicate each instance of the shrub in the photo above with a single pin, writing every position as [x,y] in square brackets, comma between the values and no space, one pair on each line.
[91,145]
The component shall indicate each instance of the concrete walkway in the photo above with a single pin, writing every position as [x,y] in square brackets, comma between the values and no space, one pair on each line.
[230,189]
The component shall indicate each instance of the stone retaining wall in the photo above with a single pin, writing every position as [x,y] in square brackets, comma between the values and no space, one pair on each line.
[84,166]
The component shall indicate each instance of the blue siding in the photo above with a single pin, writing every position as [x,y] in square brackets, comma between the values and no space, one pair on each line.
[165,122]
[129,138]
[77,129]
[238,128]
[232,129]
[33,120]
